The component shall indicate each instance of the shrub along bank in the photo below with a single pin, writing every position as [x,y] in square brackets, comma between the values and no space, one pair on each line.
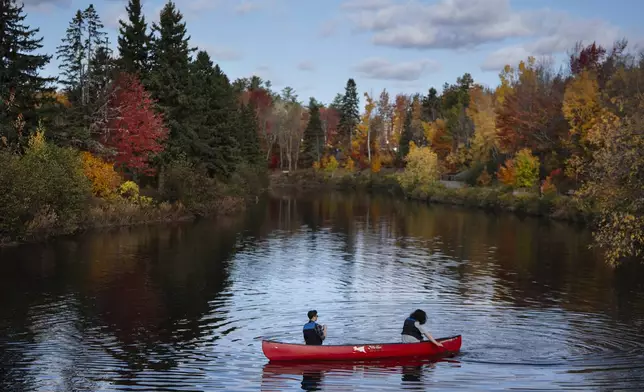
[51,190]
[500,198]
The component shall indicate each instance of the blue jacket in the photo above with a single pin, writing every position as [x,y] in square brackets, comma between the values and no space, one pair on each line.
[312,333]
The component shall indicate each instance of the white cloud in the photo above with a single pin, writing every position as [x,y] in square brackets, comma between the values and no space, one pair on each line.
[467,24]
[379,68]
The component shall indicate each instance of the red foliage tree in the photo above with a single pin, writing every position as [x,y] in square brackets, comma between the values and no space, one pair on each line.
[531,117]
[589,58]
[135,131]
[260,99]
[330,121]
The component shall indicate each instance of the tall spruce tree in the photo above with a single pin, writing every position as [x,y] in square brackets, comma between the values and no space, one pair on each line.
[214,118]
[102,71]
[169,79]
[134,40]
[22,89]
[313,136]
[72,56]
[349,113]
[83,55]
[248,136]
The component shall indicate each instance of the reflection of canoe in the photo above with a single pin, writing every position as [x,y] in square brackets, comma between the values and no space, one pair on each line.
[276,351]
[390,365]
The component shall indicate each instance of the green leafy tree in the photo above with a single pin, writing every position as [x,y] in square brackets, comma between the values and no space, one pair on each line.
[526,168]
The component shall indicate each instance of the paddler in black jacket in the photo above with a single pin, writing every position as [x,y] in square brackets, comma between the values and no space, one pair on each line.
[414,329]
[314,333]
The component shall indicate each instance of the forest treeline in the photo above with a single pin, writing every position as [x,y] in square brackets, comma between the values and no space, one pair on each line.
[158,126]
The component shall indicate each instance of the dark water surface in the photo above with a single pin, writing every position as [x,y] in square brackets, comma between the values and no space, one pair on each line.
[181,308]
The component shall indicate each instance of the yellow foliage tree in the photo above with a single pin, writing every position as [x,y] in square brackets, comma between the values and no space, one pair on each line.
[507,79]
[376,164]
[581,104]
[526,166]
[399,117]
[437,136]
[615,182]
[363,143]
[331,164]
[481,111]
[350,165]
[422,168]
[102,175]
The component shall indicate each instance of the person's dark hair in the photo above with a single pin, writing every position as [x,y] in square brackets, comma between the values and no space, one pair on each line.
[419,315]
[312,313]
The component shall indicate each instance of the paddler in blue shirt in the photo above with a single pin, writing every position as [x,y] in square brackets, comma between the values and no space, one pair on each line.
[314,333]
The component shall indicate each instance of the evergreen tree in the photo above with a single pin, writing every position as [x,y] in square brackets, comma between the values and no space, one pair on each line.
[94,39]
[83,55]
[134,40]
[337,102]
[406,136]
[248,137]
[169,79]
[313,136]
[215,118]
[102,73]
[95,36]
[22,89]
[349,113]
[431,105]
[73,55]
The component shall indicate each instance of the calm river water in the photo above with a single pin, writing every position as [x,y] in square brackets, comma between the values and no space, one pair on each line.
[183,308]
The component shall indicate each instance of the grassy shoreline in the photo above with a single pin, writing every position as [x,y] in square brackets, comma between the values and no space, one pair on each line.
[556,207]
[119,214]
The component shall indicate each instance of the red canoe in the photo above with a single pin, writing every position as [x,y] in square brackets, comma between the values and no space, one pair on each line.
[276,351]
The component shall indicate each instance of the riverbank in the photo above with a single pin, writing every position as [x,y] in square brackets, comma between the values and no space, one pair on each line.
[51,191]
[556,206]
[118,213]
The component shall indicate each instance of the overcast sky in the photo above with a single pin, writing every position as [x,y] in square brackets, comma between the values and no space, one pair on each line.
[405,46]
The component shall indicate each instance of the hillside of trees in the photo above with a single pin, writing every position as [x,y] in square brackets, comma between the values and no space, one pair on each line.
[158,123]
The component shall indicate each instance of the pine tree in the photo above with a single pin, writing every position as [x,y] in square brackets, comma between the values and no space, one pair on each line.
[349,113]
[94,39]
[313,136]
[102,72]
[337,102]
[134,40]
[169,79]
[248,136]
[22,89]
[214,118]
[73,55]
[431,105]
[83,55]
